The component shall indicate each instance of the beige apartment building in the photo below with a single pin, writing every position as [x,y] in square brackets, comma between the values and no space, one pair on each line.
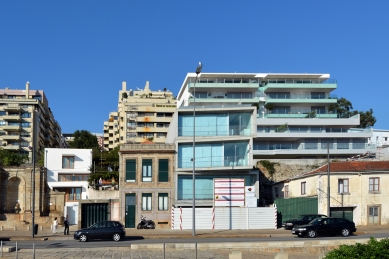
[26,121]
[142,115]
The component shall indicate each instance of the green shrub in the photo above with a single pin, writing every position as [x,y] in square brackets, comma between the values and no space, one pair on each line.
[372,250]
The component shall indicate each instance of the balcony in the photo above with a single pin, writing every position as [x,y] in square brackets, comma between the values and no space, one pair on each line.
[12,107]
[11,147]
[215,130]
[11,117]
[11,127]
[313,132]
[275,84]
[224,84]
[214,162]
[10,137]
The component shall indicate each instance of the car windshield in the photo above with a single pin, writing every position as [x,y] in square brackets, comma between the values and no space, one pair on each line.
[316,221]
[301,217]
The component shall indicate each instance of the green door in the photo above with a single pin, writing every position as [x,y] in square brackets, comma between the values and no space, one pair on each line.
[92,213]
[342,212]
[130,210]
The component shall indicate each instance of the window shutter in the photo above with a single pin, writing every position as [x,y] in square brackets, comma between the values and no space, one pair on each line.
[131,170]
[163,170]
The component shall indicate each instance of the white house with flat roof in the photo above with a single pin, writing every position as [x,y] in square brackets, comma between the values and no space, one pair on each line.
[68,171]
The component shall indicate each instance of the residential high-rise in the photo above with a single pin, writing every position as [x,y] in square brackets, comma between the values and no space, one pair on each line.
[23,114]
[142,115]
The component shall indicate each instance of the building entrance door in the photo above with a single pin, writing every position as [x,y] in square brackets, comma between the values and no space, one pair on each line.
[130,210]
[374,215]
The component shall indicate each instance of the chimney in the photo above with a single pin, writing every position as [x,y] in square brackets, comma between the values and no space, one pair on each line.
[124,86]
[27,90]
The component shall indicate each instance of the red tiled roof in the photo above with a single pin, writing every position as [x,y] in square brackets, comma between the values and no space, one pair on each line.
[353,166]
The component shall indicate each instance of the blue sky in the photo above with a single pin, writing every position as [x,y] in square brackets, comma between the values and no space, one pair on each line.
[79,52]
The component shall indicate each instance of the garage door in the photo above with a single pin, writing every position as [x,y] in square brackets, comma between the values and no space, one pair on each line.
[344,212]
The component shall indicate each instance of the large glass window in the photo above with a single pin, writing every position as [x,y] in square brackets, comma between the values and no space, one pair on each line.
[221,124]
[204,186]
[146,170]
[214,155]
[68,162]
[146,201]
[162,201]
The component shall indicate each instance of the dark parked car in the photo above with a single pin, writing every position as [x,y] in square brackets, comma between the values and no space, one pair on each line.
[325,226]
[101,230]
[301,220]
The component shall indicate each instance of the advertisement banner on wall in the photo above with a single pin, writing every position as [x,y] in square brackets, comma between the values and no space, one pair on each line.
[229,192]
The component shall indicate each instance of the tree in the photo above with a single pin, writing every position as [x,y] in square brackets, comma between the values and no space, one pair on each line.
[124,95]
[344,109]
[366,118]
[84,139]
[12,158]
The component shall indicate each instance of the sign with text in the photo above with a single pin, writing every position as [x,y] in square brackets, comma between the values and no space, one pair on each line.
[229,192]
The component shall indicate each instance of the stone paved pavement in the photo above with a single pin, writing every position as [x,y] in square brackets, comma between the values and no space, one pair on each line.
[125,253]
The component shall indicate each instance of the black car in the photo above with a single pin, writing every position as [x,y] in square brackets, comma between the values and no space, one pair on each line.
[301,220]
[325,226]
[101,230]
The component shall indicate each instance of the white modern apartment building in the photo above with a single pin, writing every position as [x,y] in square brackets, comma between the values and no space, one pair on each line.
[26,121]
[294,119]
[68,171]
[142,115]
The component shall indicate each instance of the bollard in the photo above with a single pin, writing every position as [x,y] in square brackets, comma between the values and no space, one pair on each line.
[163,250]
[16,255]
[195,250]
[33,250]
[1,253]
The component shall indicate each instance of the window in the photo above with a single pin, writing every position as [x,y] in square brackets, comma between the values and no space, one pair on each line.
[26,115]
[72,177]
[286,191]
[276,192]
[163,170]
[146,170]
[71,194]
[24,144]
[130,170]
[162,201]
[303,188]
[342,185]
[26,124]
[2,122]
[161,135]
[146,201]
[374,184]
[3,113]
[68,162]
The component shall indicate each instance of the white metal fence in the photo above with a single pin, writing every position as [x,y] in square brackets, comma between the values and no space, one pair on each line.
[225,218]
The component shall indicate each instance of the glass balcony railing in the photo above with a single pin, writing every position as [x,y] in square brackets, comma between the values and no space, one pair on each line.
[300,96]
[213,161]
[294,129]
[215,130]
[299,81]
[312,146]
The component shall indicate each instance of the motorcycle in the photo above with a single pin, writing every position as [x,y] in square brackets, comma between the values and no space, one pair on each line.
[143,223]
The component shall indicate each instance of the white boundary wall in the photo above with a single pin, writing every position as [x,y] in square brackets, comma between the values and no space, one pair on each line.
[226,218]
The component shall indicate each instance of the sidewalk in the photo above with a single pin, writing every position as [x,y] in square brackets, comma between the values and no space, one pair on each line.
[47,234]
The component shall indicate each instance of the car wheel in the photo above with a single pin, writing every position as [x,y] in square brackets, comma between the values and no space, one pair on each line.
[83,238]
[345,232]
[116,237]
[312,233]
[138,227]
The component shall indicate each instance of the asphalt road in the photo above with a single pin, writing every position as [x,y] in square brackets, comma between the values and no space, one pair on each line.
[55,244]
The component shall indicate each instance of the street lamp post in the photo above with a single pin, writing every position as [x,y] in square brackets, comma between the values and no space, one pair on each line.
[32,148]
[198,71]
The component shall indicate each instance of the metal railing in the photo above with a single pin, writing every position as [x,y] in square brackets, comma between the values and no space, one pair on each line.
[312,146]
[216,130]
